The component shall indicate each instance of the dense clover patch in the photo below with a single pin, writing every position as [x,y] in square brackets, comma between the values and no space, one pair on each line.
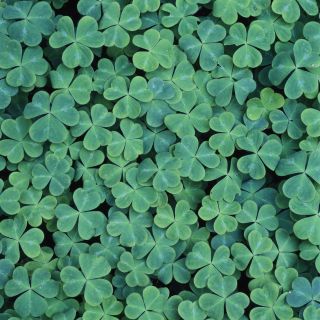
[160,160]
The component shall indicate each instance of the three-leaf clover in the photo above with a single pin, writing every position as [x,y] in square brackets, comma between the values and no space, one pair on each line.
[32,292]
[18,143]
[272,304]
[94,127]
[257,256]
[129,96]
[89,279]
[157,51]
[79,42]
[195,158]
[210,263]
[298,71]
[132,229]
[53,173]
[229,79]
[208,49]
[88,220]
[149,305]
[29,21]
[116,21]
[303,292]
[177,223]
[223,298]
[140,197]
[54,116]
[15,236]
[222,213]
[249,41]
[262,154]
[22,67]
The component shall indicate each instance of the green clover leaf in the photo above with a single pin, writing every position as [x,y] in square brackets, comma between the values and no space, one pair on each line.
[271,303]
[208,49]
[54,117]
[22,67]
[301,80]
[94,127]
[209,264]
[29,21]
[88,220]
[18,143]
[158,51]
[223,298]
[249,41]
[262,154]
[221,213]
[79,42]
[88,279]
[32,293]
[177,223]
[15,237]
[116,21]
[227,79]
[54,173]
[149,305]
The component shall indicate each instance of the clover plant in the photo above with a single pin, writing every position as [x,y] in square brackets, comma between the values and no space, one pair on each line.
[160,160]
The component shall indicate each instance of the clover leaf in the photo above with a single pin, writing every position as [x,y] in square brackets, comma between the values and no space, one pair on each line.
[249,41]
[29,21]
[79,42]
[149,305]
[263,219]
[228,186]
[227,79]
[303,292]
[210,264]
[140,197]
[15,237]
[181,13]
[158,51]
[176,224]
[289,119]
[18,142]
[300,165]
[271,303]
[132,229]
[263,154]
[195,158]
[55,115]
[109,309]
[228,10]
[95,127]
[116,21]
[53,173]
[129,97]
[79,87]
[136,270]
[165,173]
[290,10]
[31,292]
[190,117]
[269,101]
[22,66]
[301,80]
[207,49]
[227,132]
[88,279]
[85,217]
[256,256]
[223,298]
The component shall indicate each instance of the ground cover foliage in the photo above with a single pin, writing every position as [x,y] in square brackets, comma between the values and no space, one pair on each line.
[160,160]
